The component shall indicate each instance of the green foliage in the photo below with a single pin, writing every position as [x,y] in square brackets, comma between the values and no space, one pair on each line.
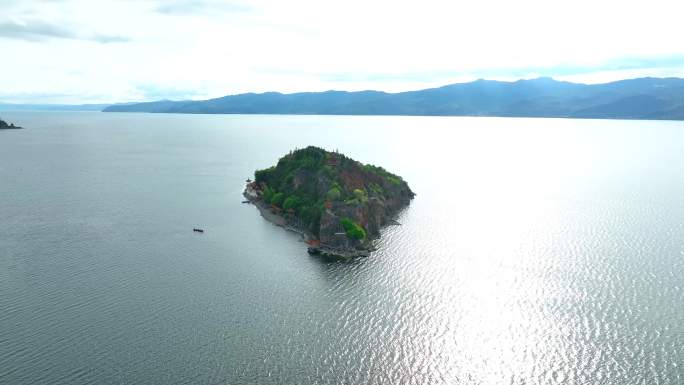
[374,169]
[377,189]
[267,194]
[304,166]
[311,215]
[353,229]
[393,179]
[263,175]
[292,202]
[334,194]
[360,195]
[277,199]
[289,179]
[310,158]
[381,172]
[328,172]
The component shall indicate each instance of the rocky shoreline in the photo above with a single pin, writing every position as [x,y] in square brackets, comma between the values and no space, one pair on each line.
[314,246]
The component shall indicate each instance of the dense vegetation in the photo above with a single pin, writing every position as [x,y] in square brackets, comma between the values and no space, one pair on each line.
[353,229]
[279,190]
[308,181]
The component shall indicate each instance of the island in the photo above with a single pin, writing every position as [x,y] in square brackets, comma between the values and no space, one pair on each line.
[337,204]
[5,126]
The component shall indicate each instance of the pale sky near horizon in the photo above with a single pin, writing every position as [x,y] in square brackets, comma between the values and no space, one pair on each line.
[102,51]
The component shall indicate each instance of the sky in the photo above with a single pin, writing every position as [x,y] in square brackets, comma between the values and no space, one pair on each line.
[106,51]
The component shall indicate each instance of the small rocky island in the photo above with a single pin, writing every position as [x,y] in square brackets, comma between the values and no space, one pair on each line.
[338,204]
[5,126]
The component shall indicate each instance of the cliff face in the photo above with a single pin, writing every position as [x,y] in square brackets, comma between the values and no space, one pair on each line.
[338,202]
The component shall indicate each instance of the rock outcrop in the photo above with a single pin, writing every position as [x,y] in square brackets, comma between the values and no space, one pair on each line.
[337,203]
[5,126]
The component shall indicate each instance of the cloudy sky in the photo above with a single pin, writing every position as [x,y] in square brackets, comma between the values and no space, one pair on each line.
[93,51]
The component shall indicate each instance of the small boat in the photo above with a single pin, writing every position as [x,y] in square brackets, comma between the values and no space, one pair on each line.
[198,230]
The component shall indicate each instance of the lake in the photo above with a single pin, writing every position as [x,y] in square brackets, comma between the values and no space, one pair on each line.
[537,251]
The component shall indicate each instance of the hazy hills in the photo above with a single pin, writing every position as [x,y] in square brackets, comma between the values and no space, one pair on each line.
[643,98]
[52,107]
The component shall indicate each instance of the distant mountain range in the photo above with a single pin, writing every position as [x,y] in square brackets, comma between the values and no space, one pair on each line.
[644,98]
[52,107]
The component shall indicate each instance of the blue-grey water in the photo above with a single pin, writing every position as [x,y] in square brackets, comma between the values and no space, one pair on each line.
[537,251]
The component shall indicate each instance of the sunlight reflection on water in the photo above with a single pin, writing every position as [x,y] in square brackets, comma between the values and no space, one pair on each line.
[537,251]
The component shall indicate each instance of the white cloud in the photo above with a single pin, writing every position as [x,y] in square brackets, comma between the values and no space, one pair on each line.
[211,48]
[38,30]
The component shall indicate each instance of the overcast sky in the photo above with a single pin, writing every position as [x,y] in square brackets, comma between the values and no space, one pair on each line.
[92,51]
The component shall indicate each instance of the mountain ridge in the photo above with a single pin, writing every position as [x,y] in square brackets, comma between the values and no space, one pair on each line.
[640,98]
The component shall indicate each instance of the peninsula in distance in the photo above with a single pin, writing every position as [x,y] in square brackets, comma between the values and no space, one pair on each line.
[7,126]
[642,98]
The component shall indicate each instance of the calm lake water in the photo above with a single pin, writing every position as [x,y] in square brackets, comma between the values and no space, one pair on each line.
[537,251]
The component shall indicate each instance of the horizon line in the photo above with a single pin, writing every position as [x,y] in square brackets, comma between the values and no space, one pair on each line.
[494,80]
